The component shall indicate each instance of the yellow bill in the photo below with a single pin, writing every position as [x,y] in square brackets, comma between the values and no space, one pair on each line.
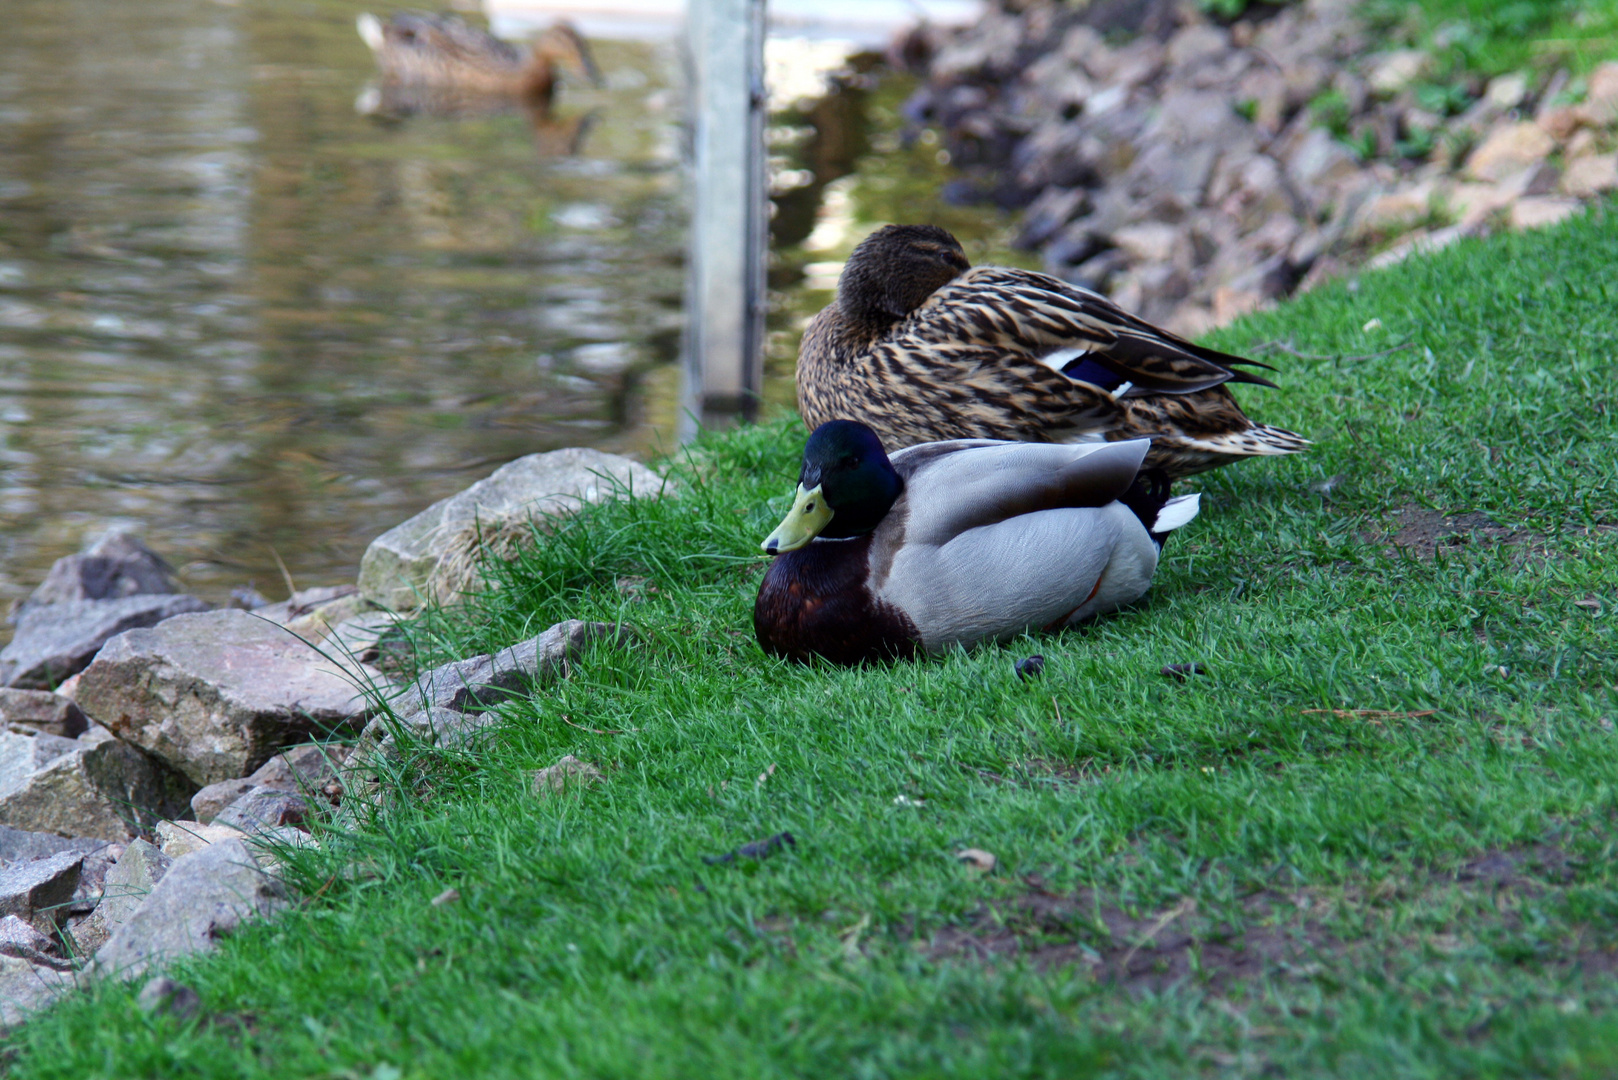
[805,521]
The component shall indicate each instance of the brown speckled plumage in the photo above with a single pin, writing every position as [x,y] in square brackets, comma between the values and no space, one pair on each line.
[921,347]
[421,50]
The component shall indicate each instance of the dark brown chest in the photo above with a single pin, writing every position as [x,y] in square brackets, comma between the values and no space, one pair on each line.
[815,602]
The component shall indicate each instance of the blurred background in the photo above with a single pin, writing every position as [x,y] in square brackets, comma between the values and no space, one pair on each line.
[251,323]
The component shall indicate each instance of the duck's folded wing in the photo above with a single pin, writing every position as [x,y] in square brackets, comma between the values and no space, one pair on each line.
[1076,332]
[985,483]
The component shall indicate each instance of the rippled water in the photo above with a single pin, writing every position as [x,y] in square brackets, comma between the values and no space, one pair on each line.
[238,314]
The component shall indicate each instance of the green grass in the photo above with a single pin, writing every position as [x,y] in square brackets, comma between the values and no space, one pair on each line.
[1492,37]
[1349,855]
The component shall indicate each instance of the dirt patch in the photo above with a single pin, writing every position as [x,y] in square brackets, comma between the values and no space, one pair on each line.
[1285,935]
[1148,952]
[1423,533]
[1525,870]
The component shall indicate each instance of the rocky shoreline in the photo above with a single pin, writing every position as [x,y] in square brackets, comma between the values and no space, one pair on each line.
[157,754]
[1195,170]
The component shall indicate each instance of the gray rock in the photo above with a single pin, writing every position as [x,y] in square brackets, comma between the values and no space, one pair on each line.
[303,602]
[396,568]
[92,875]
[216,695]
[103,788]
[36,891]
[305,768]
[113,567]
[208,803]
[430,727]
[57,640]
[50,713]
[18,845]
[123,891]
[1318,160]
[568,770]
[308,770]
[22,755]
[202,898]
[263,807]
[26,988]
[180,838]
[24,942]
[484,681]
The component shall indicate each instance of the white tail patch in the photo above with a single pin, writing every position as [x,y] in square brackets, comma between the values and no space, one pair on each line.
[1176,512]
[1061,358]
[370,28]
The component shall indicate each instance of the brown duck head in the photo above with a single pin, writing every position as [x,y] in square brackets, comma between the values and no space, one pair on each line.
[558,48]
[894,270]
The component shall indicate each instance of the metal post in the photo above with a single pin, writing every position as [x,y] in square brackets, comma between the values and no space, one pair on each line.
[725,292]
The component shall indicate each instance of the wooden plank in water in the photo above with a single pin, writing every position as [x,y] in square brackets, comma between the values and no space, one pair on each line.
[724,337]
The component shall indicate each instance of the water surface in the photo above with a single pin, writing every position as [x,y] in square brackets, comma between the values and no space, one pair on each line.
[258,325]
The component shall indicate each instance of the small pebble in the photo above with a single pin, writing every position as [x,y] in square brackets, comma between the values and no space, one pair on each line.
[163,994]
[1183,671]
[1031,668]
[977,859]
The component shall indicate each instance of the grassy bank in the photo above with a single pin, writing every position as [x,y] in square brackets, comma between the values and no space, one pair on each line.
[1375,837]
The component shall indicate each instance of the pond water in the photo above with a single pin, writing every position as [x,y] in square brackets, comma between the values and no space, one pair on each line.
[261,328]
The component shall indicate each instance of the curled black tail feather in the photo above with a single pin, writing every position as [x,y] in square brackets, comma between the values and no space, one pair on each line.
[1146,498]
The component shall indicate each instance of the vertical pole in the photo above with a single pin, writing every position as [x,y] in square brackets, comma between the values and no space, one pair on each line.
[725,292]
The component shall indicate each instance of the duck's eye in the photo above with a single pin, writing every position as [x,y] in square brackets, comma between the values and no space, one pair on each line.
[851,463]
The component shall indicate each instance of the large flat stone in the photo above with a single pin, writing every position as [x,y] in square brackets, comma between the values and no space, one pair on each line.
[396,569]
[35,891]
[58,640]
[201,898]
[42,711]
[102,788]
[216,695]
[482,682]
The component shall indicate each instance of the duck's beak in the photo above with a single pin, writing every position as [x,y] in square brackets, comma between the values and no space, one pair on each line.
[805,521]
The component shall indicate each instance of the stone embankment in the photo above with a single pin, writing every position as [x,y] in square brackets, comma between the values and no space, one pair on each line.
[1195,170]
[156,754]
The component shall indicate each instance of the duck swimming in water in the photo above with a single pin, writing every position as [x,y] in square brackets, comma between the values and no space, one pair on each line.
[956,543]
[440,52]
[920,346]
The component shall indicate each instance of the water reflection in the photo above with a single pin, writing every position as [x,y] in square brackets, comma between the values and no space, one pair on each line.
[237,313]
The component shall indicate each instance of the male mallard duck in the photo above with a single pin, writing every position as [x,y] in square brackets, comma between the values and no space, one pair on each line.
[921,347]
[423,50]
[953,543]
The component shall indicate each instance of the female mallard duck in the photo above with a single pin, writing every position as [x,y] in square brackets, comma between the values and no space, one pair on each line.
[953,543]
[440,51]
[921,347]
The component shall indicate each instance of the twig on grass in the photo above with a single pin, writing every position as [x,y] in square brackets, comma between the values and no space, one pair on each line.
[1185,905]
